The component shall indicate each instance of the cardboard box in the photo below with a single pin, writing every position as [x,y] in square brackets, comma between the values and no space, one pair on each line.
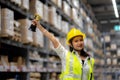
[45,13]
[38,38]
[107,38]
[108,61]
[7,20]
[118,52]
[52,16]
[36,6]
[76,3]
[66,8]
[59,22]
[25,4]
[113,46]
[74,14]
[26,34]
[4,60]
[59,3]
[18,2]
[54,1]
[114,62]
[65,27]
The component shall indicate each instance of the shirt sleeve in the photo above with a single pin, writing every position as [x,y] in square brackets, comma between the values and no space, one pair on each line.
[61,51]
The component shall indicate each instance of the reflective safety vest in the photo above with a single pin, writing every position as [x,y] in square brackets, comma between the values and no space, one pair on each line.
[73,69]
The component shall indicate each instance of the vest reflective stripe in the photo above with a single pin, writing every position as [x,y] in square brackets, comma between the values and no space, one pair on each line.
[73,70]
[72,76]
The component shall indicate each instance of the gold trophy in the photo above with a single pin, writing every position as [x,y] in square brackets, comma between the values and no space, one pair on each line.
[33,26]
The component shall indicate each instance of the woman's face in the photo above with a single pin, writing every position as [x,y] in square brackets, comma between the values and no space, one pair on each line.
[78,43]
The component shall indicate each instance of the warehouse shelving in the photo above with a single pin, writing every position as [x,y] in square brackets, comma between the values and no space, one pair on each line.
[46,71]
[111,69]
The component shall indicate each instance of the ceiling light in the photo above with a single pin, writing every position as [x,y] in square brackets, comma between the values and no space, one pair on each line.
[115,8]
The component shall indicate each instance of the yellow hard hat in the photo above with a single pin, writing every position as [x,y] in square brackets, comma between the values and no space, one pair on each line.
[72,33]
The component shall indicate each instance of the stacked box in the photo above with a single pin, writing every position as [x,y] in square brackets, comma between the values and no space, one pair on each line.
[45,13]
[107,38]
[7,19]
[38,38]
[54,1]
[36,7]
[26,34]
[114,61]
[25,4]
[83,12]
[4,60]
[65,27]
[74,14]
[113,46]
[76,3]
[18,2]
[52,16]
[59,21]
[118,52]
[59,3]
[35,76]
[108,61]
[66,8]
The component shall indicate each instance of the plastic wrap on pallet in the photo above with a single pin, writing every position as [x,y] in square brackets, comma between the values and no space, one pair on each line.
[26,34]
[52,16]
[118,52]
[36,6]
[75,3]
[113,46]
[65,27]
[107,38]
[7,19]
[114,61]
[59,21]
[17,2]
[25,4]
[45,13]
[74,14]
[38,38]
[66,8]
[59,3]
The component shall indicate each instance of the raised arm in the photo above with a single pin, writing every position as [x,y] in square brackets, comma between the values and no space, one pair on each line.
[50,36]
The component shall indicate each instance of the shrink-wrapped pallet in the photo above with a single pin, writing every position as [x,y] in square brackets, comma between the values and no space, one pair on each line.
[59,22]
[118,52]
[38,38]
[45,13]
[65,27]
[36,6]
[16,2]
[7,19]
[25,4]
[54,1]
[66,8]
[114,61]
[26,34]
[52,16]
[59,3]
[74,14]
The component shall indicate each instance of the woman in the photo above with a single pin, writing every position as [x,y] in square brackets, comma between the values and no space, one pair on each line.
[76,64]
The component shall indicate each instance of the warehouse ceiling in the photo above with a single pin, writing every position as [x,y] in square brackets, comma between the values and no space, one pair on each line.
[104,13]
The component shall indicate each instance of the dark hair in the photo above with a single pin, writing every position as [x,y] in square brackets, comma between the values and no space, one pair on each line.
[82,52]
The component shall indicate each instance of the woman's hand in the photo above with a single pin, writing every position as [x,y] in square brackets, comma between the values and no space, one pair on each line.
[35,22]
